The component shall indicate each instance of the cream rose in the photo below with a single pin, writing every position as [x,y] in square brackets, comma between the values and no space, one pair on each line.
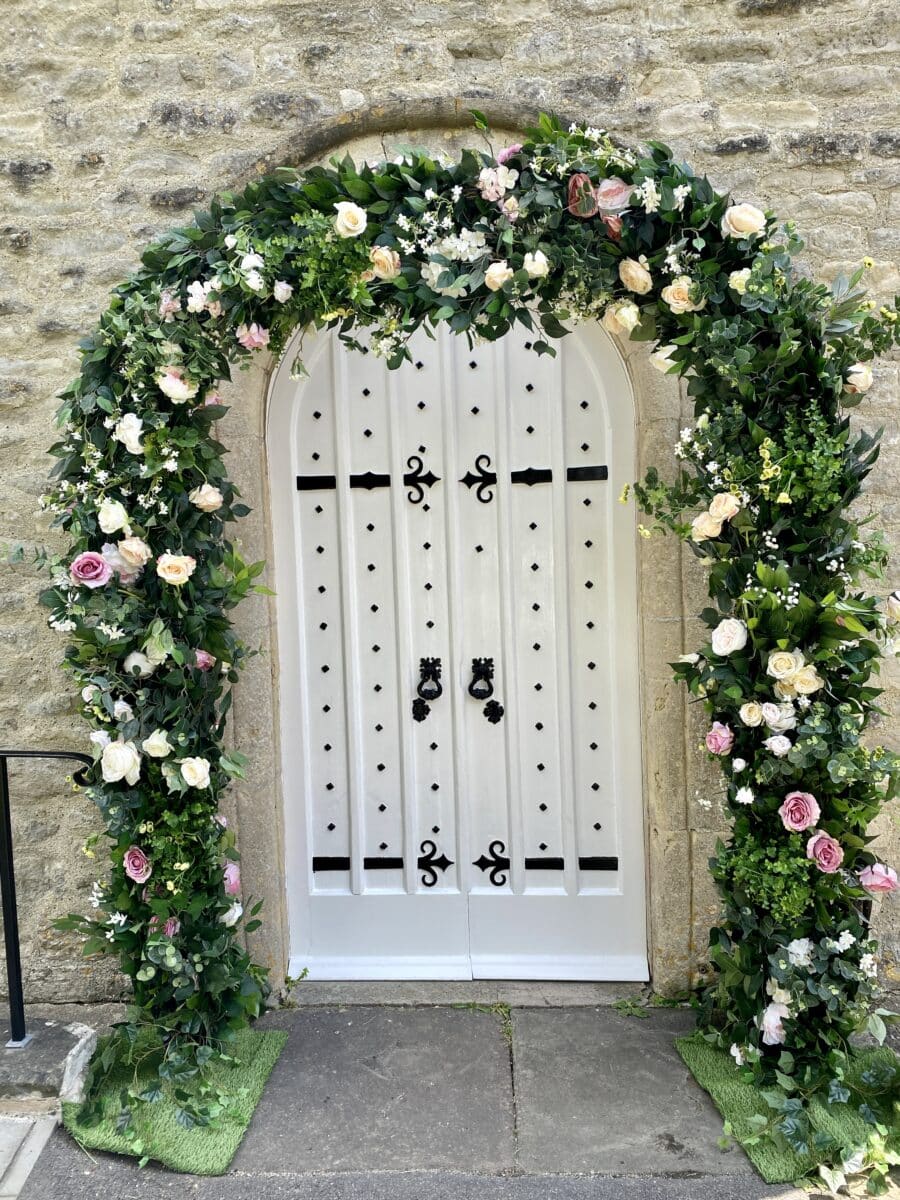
[157,744]
[497,274]
[127,430]
[135,551]
[206,497]
[751,714]
[635,276]
[662,357]
[537,265]
[195,772]
[120,760]
[738,280]
[729,636]
[724,506]
[807,680]
[743,220]
[782,664]
[621,317]
[705,526]
[112,516]
[173,383]
[858,379]
[678,295]
[351,220]
[385,262]
[175,568]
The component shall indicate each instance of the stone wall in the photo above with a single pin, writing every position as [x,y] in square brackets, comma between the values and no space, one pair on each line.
[118,116]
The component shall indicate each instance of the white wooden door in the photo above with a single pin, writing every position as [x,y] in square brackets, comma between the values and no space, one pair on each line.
[453,525]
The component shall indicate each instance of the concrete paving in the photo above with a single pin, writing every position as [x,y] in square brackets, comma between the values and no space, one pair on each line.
[455,1103]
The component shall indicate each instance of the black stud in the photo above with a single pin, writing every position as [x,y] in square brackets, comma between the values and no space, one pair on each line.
[377,687]
[420,405]
[597,825]
[315,456]
[319,508]
[329,787]
[433,746]
[435,787]
[367,433]
[323,624]
[426,508]
[473,364]
[588,544]
[426,545]
[370,566]
[326,708]
[378,728]
[435,829]
[475,410]
[538,687]
[366,392]
[419,366]
[542,807]
[331,826]
[589,624]
[529,429]
[588,584]
[370,527]
[375,649]
[380,767]
[535,567]
[584,404]
[586,503]
[542,846]
[592,705]
[382,808]
[535,607]
[327,746]
[539,725]
[540,766]
[533,525]
[421,449]
[427,587]
[593,745]
[536,646]
[528,345]
[595,787]
[429,624]
[325,668]
[529,387]
[591,666]
[373,608]
[320,549]
[478,549]
[585,446]
[322,589]
[382,845]
[316,416]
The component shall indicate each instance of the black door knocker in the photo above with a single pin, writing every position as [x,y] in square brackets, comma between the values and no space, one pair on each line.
[481,687]
[428,688]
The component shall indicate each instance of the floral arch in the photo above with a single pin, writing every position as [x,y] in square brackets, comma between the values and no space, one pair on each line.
[566,226]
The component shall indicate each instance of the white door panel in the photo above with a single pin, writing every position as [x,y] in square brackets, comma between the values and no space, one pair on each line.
[462,508]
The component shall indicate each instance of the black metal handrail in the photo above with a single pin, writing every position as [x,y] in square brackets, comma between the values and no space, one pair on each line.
[18,1036]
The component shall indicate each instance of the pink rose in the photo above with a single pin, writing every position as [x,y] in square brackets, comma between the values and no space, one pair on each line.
[203,660]
[232,878]
[799,811]
[90,569]
[720,739]
[252,337]
[772,1028]
[582,201]
[878,878]
[171,927]
[137,865]
[210,400]
[506,154]
[825,852]
[614,225]
[221,819]
[613,196]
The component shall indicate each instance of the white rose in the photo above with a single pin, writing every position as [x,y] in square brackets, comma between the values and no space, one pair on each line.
[778,745]
[724,506]
[783,663]
[172,383]
[385,262]
[635,276]
[175,568]
[282,291]
[206,497]
[770,1023]
[662,357]
[784,688]
[252,262]
[120,760]
[678,295]
[254,281]
[195,772]
[744,795]
[807,680]
[135,551]
[751,714]
[621,317]
[233,915]
[743,220]
[89,693]
[122,711]
[497,274]
[729,636]
[738,280]
[100,738]
[112,516]
[537,265]
[859,378]
[127,430]
[704,526]
[157,744]
[779,717]
[738,765]
[351,220]
[140,662]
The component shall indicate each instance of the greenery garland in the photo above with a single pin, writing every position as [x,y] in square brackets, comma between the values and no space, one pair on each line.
[567,226]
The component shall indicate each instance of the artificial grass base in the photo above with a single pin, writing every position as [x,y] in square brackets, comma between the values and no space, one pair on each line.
[738,1101]
[204,1150]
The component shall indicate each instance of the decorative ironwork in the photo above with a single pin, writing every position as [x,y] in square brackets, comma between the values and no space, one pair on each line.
[586,474]
[429,863]
[417,480]
[495,863]
[531,476]
[493,711]
[420,709]
[480,687]
[544,864]
[598,864]
[481,479]
[429,686]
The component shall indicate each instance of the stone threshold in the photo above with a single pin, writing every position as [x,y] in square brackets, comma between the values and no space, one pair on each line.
[514,993]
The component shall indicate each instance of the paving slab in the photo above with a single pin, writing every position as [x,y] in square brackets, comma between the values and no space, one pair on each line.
[598,1091]
[386,1089]
[517,993]
[50,1064]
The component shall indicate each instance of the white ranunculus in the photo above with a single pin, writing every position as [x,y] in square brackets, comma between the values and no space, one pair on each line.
[120,760]
[743,220]
[157,744]
[282,291]
[738,280]
[677,295]
[122,711]
[770,1023]
[99,738]
[729,636]
[858,378]
[174,384]
[800,952]
[635,276]
[724,506]
[778,745]
[537,265]
[704,526]
[140,662]
[206,497]
[662,359]
[127,430]
[135,551]
[195,772]
[351,220]
[751,714]
[744,795]
[112,516]
[233,915]
[497,274]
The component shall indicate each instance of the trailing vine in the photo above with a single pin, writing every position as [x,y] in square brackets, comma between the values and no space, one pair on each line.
[567,226]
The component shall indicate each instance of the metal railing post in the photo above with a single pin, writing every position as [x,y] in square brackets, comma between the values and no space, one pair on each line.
[18,1037]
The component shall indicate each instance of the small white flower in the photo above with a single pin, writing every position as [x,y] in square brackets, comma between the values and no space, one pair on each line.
[117,918]
[233,915]
[744,795]
[737,1054]
[230,241]
[868,964]
[738,765]
[800,952]
[846,940]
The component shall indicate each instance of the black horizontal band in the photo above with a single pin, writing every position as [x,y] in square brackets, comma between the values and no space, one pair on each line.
[329,863]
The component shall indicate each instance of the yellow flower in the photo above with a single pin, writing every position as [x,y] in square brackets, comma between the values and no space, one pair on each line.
[644,531]
[623,497]
[783,498]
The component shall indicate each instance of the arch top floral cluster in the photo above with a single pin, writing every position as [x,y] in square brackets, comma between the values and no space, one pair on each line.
[563,227]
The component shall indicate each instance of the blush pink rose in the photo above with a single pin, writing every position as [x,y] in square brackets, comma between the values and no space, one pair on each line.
[137,865]
[720,739]
[582,201]
[878,878]
[231,875]
[507,152]
[613,196]
[203,660]
[825,852]
[614,225]
[171,927]
[90,569]
[799,811]
[252,337]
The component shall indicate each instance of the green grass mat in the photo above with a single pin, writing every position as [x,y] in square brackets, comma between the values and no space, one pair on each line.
[738,1101]
[198,1151]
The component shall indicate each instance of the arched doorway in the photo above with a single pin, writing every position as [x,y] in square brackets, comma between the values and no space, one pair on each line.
[454,526]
